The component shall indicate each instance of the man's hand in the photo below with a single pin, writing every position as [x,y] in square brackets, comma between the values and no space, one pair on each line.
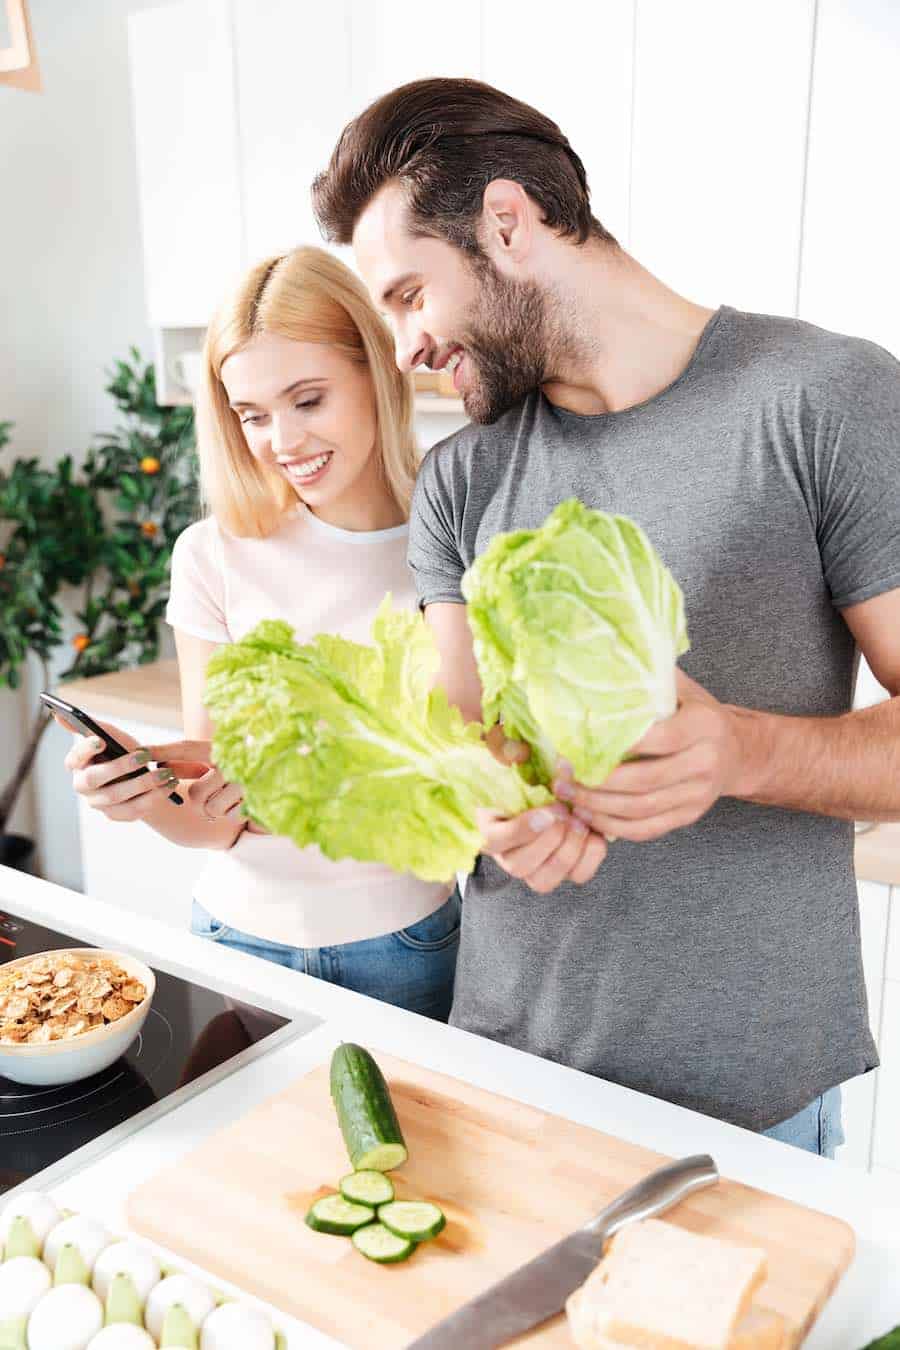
[692,759]
[543,847]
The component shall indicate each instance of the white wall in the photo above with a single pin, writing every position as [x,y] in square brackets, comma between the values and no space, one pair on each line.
[71,297]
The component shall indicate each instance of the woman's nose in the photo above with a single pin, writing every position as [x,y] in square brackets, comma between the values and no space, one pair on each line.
[287,437]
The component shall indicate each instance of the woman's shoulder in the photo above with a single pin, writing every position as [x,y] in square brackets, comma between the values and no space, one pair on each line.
[202,538]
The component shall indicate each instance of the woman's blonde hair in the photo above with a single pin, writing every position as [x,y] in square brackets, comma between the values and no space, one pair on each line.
[309,296]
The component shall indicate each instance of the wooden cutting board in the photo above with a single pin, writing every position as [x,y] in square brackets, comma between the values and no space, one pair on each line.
[511,1179]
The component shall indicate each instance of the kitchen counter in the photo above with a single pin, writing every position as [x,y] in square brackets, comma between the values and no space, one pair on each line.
[867,1302]
[151,694]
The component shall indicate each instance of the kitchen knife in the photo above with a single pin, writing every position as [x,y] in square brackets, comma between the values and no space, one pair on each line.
[539,1289]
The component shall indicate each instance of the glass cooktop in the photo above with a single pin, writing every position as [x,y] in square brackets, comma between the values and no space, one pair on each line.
[189,1031]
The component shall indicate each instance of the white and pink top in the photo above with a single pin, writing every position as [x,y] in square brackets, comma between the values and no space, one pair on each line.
[319,579]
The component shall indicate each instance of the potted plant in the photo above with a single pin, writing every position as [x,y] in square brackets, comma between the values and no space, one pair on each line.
[105,529]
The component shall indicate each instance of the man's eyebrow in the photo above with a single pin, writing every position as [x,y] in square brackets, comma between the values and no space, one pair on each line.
[397,285]
[298,384]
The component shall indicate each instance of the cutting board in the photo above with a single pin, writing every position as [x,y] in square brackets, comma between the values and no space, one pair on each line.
[511,1180]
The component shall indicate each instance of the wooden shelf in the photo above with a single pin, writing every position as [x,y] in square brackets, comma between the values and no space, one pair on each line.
[150,694]
[436,403]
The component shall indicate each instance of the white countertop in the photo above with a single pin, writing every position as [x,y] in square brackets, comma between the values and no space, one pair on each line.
[866,1304]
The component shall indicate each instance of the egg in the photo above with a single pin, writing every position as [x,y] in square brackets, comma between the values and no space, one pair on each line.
[37,1208]
[87,1235]
[23,1281]
[194,1297]
[126,1258]
[66,1318]
[237,1326]
[122,1336]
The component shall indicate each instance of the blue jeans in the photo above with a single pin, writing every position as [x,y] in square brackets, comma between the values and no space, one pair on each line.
[817,1128]
[412,968]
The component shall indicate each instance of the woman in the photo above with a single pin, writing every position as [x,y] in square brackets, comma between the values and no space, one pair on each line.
[307,460]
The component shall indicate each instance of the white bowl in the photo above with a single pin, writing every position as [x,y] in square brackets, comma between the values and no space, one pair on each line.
[53,1062]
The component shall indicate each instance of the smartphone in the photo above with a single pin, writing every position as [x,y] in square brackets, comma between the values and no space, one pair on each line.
[76,719]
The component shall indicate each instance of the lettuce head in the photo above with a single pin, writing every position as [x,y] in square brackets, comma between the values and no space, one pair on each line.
[577,627]
[349,747]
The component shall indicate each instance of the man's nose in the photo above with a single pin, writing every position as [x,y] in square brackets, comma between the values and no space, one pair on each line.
[412,348]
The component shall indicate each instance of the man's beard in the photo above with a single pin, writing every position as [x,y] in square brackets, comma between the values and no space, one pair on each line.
[508,343]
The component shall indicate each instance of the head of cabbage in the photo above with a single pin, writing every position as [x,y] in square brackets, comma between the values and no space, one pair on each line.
[577,629]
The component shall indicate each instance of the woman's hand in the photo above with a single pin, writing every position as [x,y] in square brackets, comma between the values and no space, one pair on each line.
[100,785]
[211,793]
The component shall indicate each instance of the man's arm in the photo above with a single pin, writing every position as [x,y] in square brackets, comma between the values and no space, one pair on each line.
[846,766]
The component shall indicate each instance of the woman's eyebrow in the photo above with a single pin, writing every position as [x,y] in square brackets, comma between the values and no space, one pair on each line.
[292,388]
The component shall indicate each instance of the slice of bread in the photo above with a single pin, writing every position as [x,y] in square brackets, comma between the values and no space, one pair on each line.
[662,1288]
[759,1330]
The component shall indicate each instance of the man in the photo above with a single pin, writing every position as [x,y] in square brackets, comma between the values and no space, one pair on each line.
[710,955]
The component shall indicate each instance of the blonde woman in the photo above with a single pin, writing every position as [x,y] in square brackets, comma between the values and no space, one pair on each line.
[307,459]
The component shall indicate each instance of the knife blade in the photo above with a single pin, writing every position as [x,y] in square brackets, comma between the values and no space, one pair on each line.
[539,1289]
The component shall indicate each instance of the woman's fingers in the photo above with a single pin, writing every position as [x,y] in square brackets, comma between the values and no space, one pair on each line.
[104,793]
[214,796]
[508,752]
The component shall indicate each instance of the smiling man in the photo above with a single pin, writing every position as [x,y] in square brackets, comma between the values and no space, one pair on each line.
[711,956]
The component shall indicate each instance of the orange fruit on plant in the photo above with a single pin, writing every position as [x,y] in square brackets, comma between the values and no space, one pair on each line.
[2,561]
[80,641]
[150,464]
[149,528]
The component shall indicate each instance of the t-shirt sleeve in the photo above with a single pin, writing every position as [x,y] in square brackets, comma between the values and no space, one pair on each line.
[434,556]
[857,475]
[196,594]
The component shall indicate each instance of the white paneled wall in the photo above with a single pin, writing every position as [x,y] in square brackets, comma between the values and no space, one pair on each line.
[577,68]
[718,146]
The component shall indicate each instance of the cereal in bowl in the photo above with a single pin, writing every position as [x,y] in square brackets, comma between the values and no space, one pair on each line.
[58,996]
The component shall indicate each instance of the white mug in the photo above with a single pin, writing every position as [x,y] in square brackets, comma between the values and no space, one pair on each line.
[186,369]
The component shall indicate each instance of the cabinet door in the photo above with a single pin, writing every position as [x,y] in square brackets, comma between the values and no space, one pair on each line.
[886,1151]
[293,83]
[720,105]
[392,44]
[185,133]
[579,72]
[848,278]
[860,1093]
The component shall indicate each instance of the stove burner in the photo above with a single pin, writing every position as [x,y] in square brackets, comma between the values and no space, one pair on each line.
[189,1030]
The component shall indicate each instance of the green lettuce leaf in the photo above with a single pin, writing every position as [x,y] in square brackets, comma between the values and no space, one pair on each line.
[348,747]
[577,627]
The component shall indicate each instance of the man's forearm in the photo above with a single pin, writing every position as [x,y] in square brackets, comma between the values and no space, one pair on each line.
[847,766]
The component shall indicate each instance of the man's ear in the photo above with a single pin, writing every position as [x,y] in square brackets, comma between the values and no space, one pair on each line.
[507,222]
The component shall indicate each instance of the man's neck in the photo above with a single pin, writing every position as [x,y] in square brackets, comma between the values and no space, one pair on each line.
[630,336]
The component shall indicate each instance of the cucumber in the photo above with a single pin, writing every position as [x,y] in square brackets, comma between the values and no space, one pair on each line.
[365,1111]
[334,1214]
[417,1220]
[380,1244]
[367,1188]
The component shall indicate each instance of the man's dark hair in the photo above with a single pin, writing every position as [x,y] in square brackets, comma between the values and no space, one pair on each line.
[443,141]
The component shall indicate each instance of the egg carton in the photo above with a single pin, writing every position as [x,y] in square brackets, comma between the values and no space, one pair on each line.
[66,1283]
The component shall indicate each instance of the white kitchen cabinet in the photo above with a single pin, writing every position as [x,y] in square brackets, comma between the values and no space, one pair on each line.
[391,44]
[584,83]
[849,280]
[292,71]
[892,963]
[185,123]
[128,865]
[886,1150]
[859,1094]
[718,147]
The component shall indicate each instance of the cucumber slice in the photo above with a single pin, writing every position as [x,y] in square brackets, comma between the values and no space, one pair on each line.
[367,1188]
[380,1244]
[365,1111]
[417,1220]
[334,1214]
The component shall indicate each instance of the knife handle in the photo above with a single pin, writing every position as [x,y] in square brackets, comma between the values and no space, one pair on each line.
[656,1193]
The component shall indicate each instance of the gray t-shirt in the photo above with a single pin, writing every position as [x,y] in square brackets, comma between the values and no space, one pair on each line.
[718,967]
